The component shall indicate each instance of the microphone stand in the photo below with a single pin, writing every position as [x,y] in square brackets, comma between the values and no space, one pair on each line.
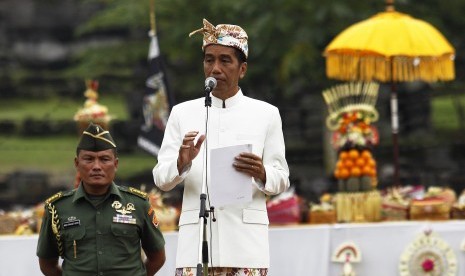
[202,265]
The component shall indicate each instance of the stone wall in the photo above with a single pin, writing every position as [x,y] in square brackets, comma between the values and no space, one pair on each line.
[37,39]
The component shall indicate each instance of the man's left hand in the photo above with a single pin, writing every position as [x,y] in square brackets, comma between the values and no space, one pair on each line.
[251,164]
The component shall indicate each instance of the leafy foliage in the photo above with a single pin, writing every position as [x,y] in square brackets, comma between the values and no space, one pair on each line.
[286,38]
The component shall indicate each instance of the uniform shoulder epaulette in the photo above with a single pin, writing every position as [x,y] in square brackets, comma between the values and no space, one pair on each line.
[57,196]
[134,191]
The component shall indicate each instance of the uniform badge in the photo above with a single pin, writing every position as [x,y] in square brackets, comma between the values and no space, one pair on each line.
[71,221]
[123,211]
[116,204]
[155,221]
[124,219]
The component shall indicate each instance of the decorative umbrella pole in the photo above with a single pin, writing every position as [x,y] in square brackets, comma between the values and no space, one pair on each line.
[390,47]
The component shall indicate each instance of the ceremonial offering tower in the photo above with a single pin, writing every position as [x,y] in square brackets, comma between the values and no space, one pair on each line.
[352,111]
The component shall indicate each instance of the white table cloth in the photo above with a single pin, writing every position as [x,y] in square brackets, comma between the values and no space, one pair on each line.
[295,250]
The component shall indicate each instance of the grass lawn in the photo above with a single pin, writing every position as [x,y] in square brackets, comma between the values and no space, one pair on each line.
[445,115]
[55,154]
[57,108]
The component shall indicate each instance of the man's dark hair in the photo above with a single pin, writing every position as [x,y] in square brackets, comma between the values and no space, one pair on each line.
[240,56]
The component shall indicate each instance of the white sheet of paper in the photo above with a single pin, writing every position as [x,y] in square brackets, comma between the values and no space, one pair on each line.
[228,186]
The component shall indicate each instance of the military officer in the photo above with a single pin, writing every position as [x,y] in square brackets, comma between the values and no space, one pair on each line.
[99,228]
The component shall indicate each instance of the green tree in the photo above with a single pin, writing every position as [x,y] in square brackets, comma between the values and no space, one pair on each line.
[287,38]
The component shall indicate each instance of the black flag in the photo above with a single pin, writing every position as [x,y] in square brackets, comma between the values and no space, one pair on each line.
[157,102]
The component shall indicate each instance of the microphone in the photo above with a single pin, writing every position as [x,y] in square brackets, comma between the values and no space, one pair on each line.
[210,84]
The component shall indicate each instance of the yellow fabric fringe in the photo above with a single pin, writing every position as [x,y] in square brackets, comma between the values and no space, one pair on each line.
[398,69]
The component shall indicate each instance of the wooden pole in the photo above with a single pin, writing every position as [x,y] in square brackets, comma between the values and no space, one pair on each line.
[390,5]
[153,27]
[395,134]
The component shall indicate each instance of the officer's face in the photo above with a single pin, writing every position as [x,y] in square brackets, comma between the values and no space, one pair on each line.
[96,168]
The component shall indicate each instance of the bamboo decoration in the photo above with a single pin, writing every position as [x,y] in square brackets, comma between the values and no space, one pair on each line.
[348,97]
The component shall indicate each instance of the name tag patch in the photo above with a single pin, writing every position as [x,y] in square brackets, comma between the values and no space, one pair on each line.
[68,224]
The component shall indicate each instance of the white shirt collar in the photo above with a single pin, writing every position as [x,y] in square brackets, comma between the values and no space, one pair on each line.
[229,102]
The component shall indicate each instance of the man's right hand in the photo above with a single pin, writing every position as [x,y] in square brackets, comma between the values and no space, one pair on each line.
[188,151]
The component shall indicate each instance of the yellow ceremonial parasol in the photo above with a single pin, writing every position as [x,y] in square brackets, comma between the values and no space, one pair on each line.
[390,47]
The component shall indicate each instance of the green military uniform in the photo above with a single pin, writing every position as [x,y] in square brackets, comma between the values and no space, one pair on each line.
[99,236]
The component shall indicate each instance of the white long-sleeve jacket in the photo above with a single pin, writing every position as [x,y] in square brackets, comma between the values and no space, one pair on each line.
[240,234]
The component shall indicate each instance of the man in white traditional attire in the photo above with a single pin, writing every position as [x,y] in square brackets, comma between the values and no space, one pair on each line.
[238,239]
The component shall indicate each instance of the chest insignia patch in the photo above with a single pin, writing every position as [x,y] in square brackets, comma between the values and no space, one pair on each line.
[124,219]
[71,222]
[124,210]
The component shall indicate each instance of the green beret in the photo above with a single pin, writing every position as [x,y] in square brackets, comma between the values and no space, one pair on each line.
[95,138]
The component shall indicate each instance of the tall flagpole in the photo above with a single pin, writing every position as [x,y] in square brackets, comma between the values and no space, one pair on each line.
[157,100]
[153,28]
